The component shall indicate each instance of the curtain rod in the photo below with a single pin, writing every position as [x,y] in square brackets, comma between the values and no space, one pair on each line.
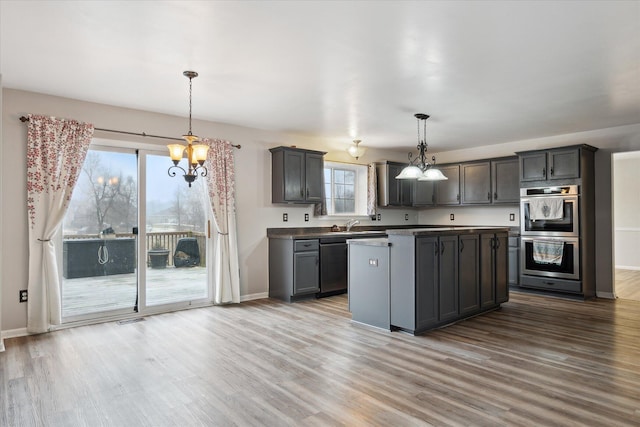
[24,119]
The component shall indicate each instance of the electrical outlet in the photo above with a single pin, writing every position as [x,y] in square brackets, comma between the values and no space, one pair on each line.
[373,217]
[452,217]
[379,217]
[406,217]
[24,295]
[306,217]
[285,217]
[512,217]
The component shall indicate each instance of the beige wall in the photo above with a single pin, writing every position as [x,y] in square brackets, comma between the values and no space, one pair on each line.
[255,213]
[626,208]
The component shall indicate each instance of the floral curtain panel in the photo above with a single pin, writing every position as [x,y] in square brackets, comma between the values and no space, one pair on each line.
[372,189]
[222,250]
[56,149]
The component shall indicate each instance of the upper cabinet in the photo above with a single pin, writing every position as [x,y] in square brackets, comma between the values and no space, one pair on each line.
[504,180]
[490,182]
[550,165]
[297,175]
[448,192]
[392,191]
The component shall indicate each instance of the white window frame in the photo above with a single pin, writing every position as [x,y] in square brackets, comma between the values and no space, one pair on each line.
[360,189]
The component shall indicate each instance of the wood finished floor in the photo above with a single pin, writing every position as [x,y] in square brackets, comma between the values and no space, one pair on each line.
[539,361]
[628,284]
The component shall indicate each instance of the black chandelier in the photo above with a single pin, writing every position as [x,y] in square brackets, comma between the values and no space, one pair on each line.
[196,154]
[420,168]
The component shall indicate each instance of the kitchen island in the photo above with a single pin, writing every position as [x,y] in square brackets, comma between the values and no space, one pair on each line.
[442,275]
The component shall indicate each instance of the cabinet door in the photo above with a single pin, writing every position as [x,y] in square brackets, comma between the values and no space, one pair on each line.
[564,164]
[501,267]
[448,192]
[533,166]
[294,181]
[476,183]
[468,283]
[487,284]
[504,181]
[395,198]
[305,273]
[427,251]
[448,284]
[406,191]
[514,261]
[314,176]
[424,193]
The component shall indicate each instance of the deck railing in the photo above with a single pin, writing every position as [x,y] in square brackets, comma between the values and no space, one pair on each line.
[159,240]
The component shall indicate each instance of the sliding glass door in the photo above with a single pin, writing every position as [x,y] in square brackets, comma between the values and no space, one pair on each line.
[98,242]
[133,239]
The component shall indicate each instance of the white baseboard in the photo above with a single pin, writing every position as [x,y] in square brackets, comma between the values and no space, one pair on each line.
[14,333]
[627,267]
[250,297]
[607,295]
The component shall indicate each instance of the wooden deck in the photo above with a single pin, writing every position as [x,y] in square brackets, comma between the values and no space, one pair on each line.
[539,361]
[89,295]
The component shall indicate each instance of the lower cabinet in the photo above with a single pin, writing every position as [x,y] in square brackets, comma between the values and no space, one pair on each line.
[445,281]
[294,268]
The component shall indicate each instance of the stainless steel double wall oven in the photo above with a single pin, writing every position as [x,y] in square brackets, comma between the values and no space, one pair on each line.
[550,246]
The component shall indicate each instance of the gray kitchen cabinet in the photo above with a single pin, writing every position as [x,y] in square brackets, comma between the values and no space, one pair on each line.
[505,185]
[297,175]
[424,193]
[427,280]
[514,261]
[493,181]
[494,287]
[294,268]
[550,165]
[392,191]
[468,274]
[448,283]
[369,282]
[448,191]
[475,183]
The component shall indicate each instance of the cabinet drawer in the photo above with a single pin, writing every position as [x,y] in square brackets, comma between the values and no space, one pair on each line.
[551,283]
[306,245]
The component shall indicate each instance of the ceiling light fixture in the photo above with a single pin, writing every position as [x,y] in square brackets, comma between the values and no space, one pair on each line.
[422,170]
[355,150]
[196,154]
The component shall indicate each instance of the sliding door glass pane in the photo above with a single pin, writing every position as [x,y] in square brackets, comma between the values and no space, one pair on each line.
[99,248]
[175,236]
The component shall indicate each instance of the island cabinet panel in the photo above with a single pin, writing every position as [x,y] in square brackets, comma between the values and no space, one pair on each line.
[448,286]
[469,282]
[436,277]
[494,269]
[427,279]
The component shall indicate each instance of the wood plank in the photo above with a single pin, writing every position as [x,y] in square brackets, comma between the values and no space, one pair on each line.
[537,361]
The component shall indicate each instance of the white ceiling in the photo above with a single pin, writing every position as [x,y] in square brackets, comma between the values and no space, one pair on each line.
[487,72]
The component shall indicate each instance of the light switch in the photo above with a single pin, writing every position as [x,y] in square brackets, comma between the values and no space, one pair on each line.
[373,262]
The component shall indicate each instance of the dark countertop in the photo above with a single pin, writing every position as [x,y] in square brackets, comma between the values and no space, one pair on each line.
[380,241]
[450,230]
[376,231]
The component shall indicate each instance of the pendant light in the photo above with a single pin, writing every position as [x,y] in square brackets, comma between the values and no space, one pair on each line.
[196,153]
[355,150]
[422,170]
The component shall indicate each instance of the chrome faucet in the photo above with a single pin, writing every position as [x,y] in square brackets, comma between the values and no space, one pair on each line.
[351,223]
